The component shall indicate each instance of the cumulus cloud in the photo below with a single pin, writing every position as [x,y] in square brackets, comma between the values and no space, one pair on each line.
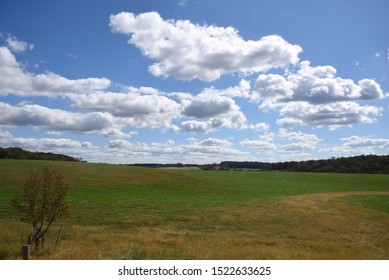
[298,141]
[242,90]
[44,144]
[332,114]
[258,126]
[208,105]
[53,83]
[197,126]
[56,119]
[143,149]
[153,111]
[316,96]
[220,111]
[15,80]
[194,151]
[17,45]
[212,149]
[271,87]
[366,142]
[301,141]
[258,144]
[356,145]
[188,51]
[210,142]
[316,85]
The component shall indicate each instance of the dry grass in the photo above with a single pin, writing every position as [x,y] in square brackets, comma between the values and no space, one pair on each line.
[315,226]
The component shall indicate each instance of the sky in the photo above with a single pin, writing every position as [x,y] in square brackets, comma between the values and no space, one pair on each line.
[195,81]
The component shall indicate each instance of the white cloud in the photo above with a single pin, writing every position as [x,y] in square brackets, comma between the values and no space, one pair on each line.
[219,111]
[59,145]
[5,137]
[258,144]
[49,143]
[57,133]
[356,145]
[152,111]
[52,83]
[57,120]
[213,150]
[333,114]
[208,105]
[72,56]
[366,142]
[316,85]
[316,96]
[242,90]
[299,141]
[188,51]
[258,126]
[18,46]
[268,136]
[302,141]
[143,107]
[180,95]
[197,126]
[271,87]
[15,80]
[183,3]
[194,151]
[210,142]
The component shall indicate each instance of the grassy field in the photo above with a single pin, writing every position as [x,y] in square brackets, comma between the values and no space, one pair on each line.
[120,212]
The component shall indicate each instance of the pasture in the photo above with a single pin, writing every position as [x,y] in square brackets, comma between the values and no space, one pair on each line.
[121,212]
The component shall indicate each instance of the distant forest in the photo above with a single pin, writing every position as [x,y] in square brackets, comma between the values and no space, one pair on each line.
[358,164]
[372,164]
[18,153]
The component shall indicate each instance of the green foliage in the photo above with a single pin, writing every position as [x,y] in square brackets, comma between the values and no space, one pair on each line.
[368,164]
[42,201]
[18,153]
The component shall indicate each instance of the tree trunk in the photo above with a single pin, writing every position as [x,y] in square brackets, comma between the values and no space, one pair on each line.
[37,245]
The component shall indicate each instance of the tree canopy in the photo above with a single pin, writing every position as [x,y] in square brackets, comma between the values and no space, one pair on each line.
[42,201]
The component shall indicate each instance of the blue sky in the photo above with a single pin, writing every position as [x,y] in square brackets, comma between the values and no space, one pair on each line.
[195,81]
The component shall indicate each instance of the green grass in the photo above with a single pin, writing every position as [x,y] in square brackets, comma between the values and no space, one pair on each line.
[377,202]
[164,213]
[112,190]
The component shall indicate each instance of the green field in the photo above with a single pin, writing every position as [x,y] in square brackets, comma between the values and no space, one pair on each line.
[121,212]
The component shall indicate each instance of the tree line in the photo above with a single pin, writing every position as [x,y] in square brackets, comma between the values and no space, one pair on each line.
[358,164]
[18,153]
[373,164]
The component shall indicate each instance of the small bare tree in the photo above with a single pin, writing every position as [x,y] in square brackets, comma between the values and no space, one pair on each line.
[42,201]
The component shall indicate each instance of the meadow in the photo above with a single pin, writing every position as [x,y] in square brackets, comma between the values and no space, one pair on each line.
[122,212]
